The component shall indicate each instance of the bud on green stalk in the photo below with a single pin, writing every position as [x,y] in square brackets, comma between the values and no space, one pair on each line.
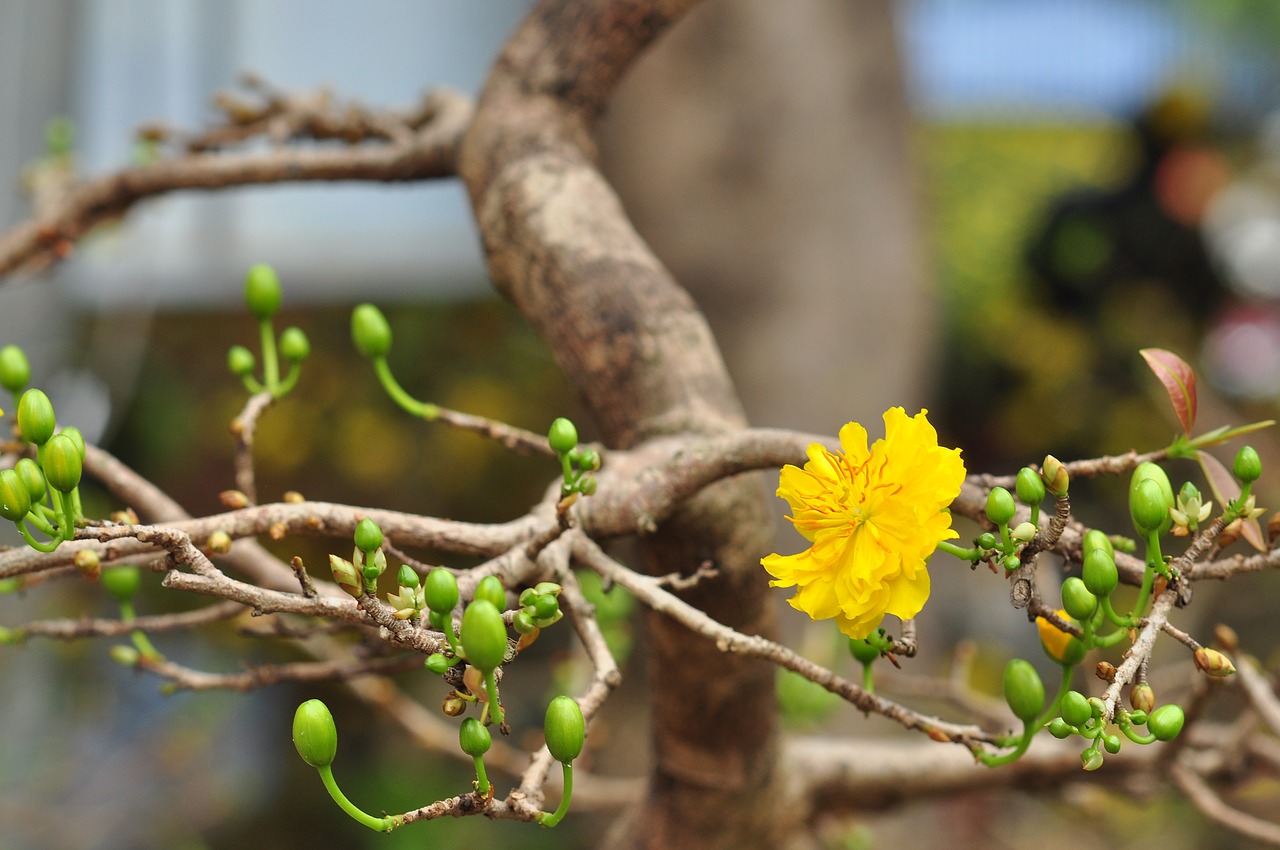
[314,733]
[408,576]
[1166,722]
[1096,539]
[490,588]
[76,437]
[15,501]
[63,463]
[562,436]
[1029,487]
[35,417]
[1248,466]
[262,294]
[370,331]
[121,582]
[1099,572]
[1077,600]
[1150,505]
[1023,690]
[474,739]
[441,590]
[32,478]
[294,345]
[863,651]
[240,361]
[1075,708]
[1000,506]
[523,623]
[15,371]
[484,636]
[565,729]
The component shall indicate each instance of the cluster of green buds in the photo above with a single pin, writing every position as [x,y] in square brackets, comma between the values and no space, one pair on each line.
[359,576]
[1004,546]
[44,493]
[866,650]
[1084,716]
[539,608]
[576,464]
[263,296]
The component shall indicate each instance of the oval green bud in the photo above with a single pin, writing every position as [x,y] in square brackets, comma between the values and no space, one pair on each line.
[490,588]
[523,623]
[484,636]
[1077,600]
[1096,539]
[1111,743]
[1138,718]
[15,501]
[35,417]
[562,436]
[987,540]
[368,536]
[1099,572]
[15,371]
[1059,728]
[1166,722]
[1029,486]
[1000,506]
[314,733]
[527,596]
[565,729]
[63,464]
[240,361]
[370,331]
[1247,466]
[121,582]
[1075,708]
[294,344]
[863,651]
[32,478]
[76,437]
[1152,501]
[545,606]
[408,576]
[436,663]
[474,739]
[547,587]
[262,294]
[440,590]
[1023,689]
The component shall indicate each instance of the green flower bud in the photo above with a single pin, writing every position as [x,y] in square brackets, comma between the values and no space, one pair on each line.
[262,293]
[587,486]
[437,663]
[550,620]
[441,590]
[527,596]
[1024,532]
[368,535]
[76,437]
[1166,722]
[408,576]
[15,371]
[240,361]
[1077,600]
[1111,743]
[474,739]
[863,651]
[1150,505]
[1023,690]
[545,588]
[1029,487]
[345,574]
[32,478]
[588,459]
[490,588]
[1059,728]
[314,733]
[1096,539]
[1099,572]
[63,464]
[565,729]
[545,606]
[484,636]
[523,623]
[1138,718]
[1012,562]
[1091,758]
[563,436]
[125,656]
[294,345]
[987,540]
[35,417]
[1055,477]
[15,501]
[1076,709]
[121,582]
[370,331]
[1000,506]
[1142,697]
[1248,466]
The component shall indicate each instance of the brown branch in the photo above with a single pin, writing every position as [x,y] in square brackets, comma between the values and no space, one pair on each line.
[185,678]
[242,428]
[1202,796]
[67,629]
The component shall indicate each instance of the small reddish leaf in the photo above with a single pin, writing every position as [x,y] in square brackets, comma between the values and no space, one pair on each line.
[1179,381]
[1226,489]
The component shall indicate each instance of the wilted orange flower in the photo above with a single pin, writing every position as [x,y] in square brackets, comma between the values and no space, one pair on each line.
[873,517]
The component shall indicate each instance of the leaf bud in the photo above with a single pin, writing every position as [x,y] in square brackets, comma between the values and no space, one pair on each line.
[294,345]
[233,499]
[544,588]
[1099,572]
[240,361]
[15,371]
[441,590]
[588,459]
[345,574]
[88,563]
[484,636]
[262,294]
[1142,697]
[1247,466]
[587,486]
[1023,690]
[453,705]
[565,729]
[1226,637]
[1105,670]
[1213,663]
[490,588]
[563,436]
[1029,487]
[1075,708]
[121,582]
[1000,506]
[527,596]
[1146,504]
[1055,476]
[370,331]
[474,739]
[63,464]
[1166,722]
[219,542]
[314,733]
[1077,600]
[15,501]
[1091,758]
[35,417]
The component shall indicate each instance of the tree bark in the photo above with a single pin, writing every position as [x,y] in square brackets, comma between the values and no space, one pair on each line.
[642,355]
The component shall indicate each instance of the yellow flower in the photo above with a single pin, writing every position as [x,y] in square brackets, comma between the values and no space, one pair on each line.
[873,518]
[1055,641]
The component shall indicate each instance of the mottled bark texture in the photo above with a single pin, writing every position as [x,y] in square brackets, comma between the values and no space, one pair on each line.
[561,248]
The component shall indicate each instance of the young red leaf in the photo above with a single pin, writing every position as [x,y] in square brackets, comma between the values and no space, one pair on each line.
[1179,382]
[1225,489]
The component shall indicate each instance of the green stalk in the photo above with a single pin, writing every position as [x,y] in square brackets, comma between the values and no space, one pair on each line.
[491,688]
[1028,732]
[550,820]
[141,642]
[36,544]
[331,785]
[270,362]
[960,552]
[1052,710]
[482,779]
[399,396]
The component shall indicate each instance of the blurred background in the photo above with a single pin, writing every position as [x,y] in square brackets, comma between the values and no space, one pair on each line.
[983,207]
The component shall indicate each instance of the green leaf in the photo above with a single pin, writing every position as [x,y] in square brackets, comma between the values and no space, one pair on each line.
[1179,382]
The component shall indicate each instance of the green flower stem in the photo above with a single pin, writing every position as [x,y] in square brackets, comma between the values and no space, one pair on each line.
[1028,732]
[290,380]
[1052,711]
[1111,638]
[36,544]
[1116,619]
[482,779]
[141,642]
[67,527]
[1035,515]
[963,554]
[1148,580]
[550,820]
[40,521]
[868,679]
[399,396]
[251,384]
[1006,543]
[1133,734]
[77,510]
[270,361]
[331,785]
[567,468]
[491,688]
